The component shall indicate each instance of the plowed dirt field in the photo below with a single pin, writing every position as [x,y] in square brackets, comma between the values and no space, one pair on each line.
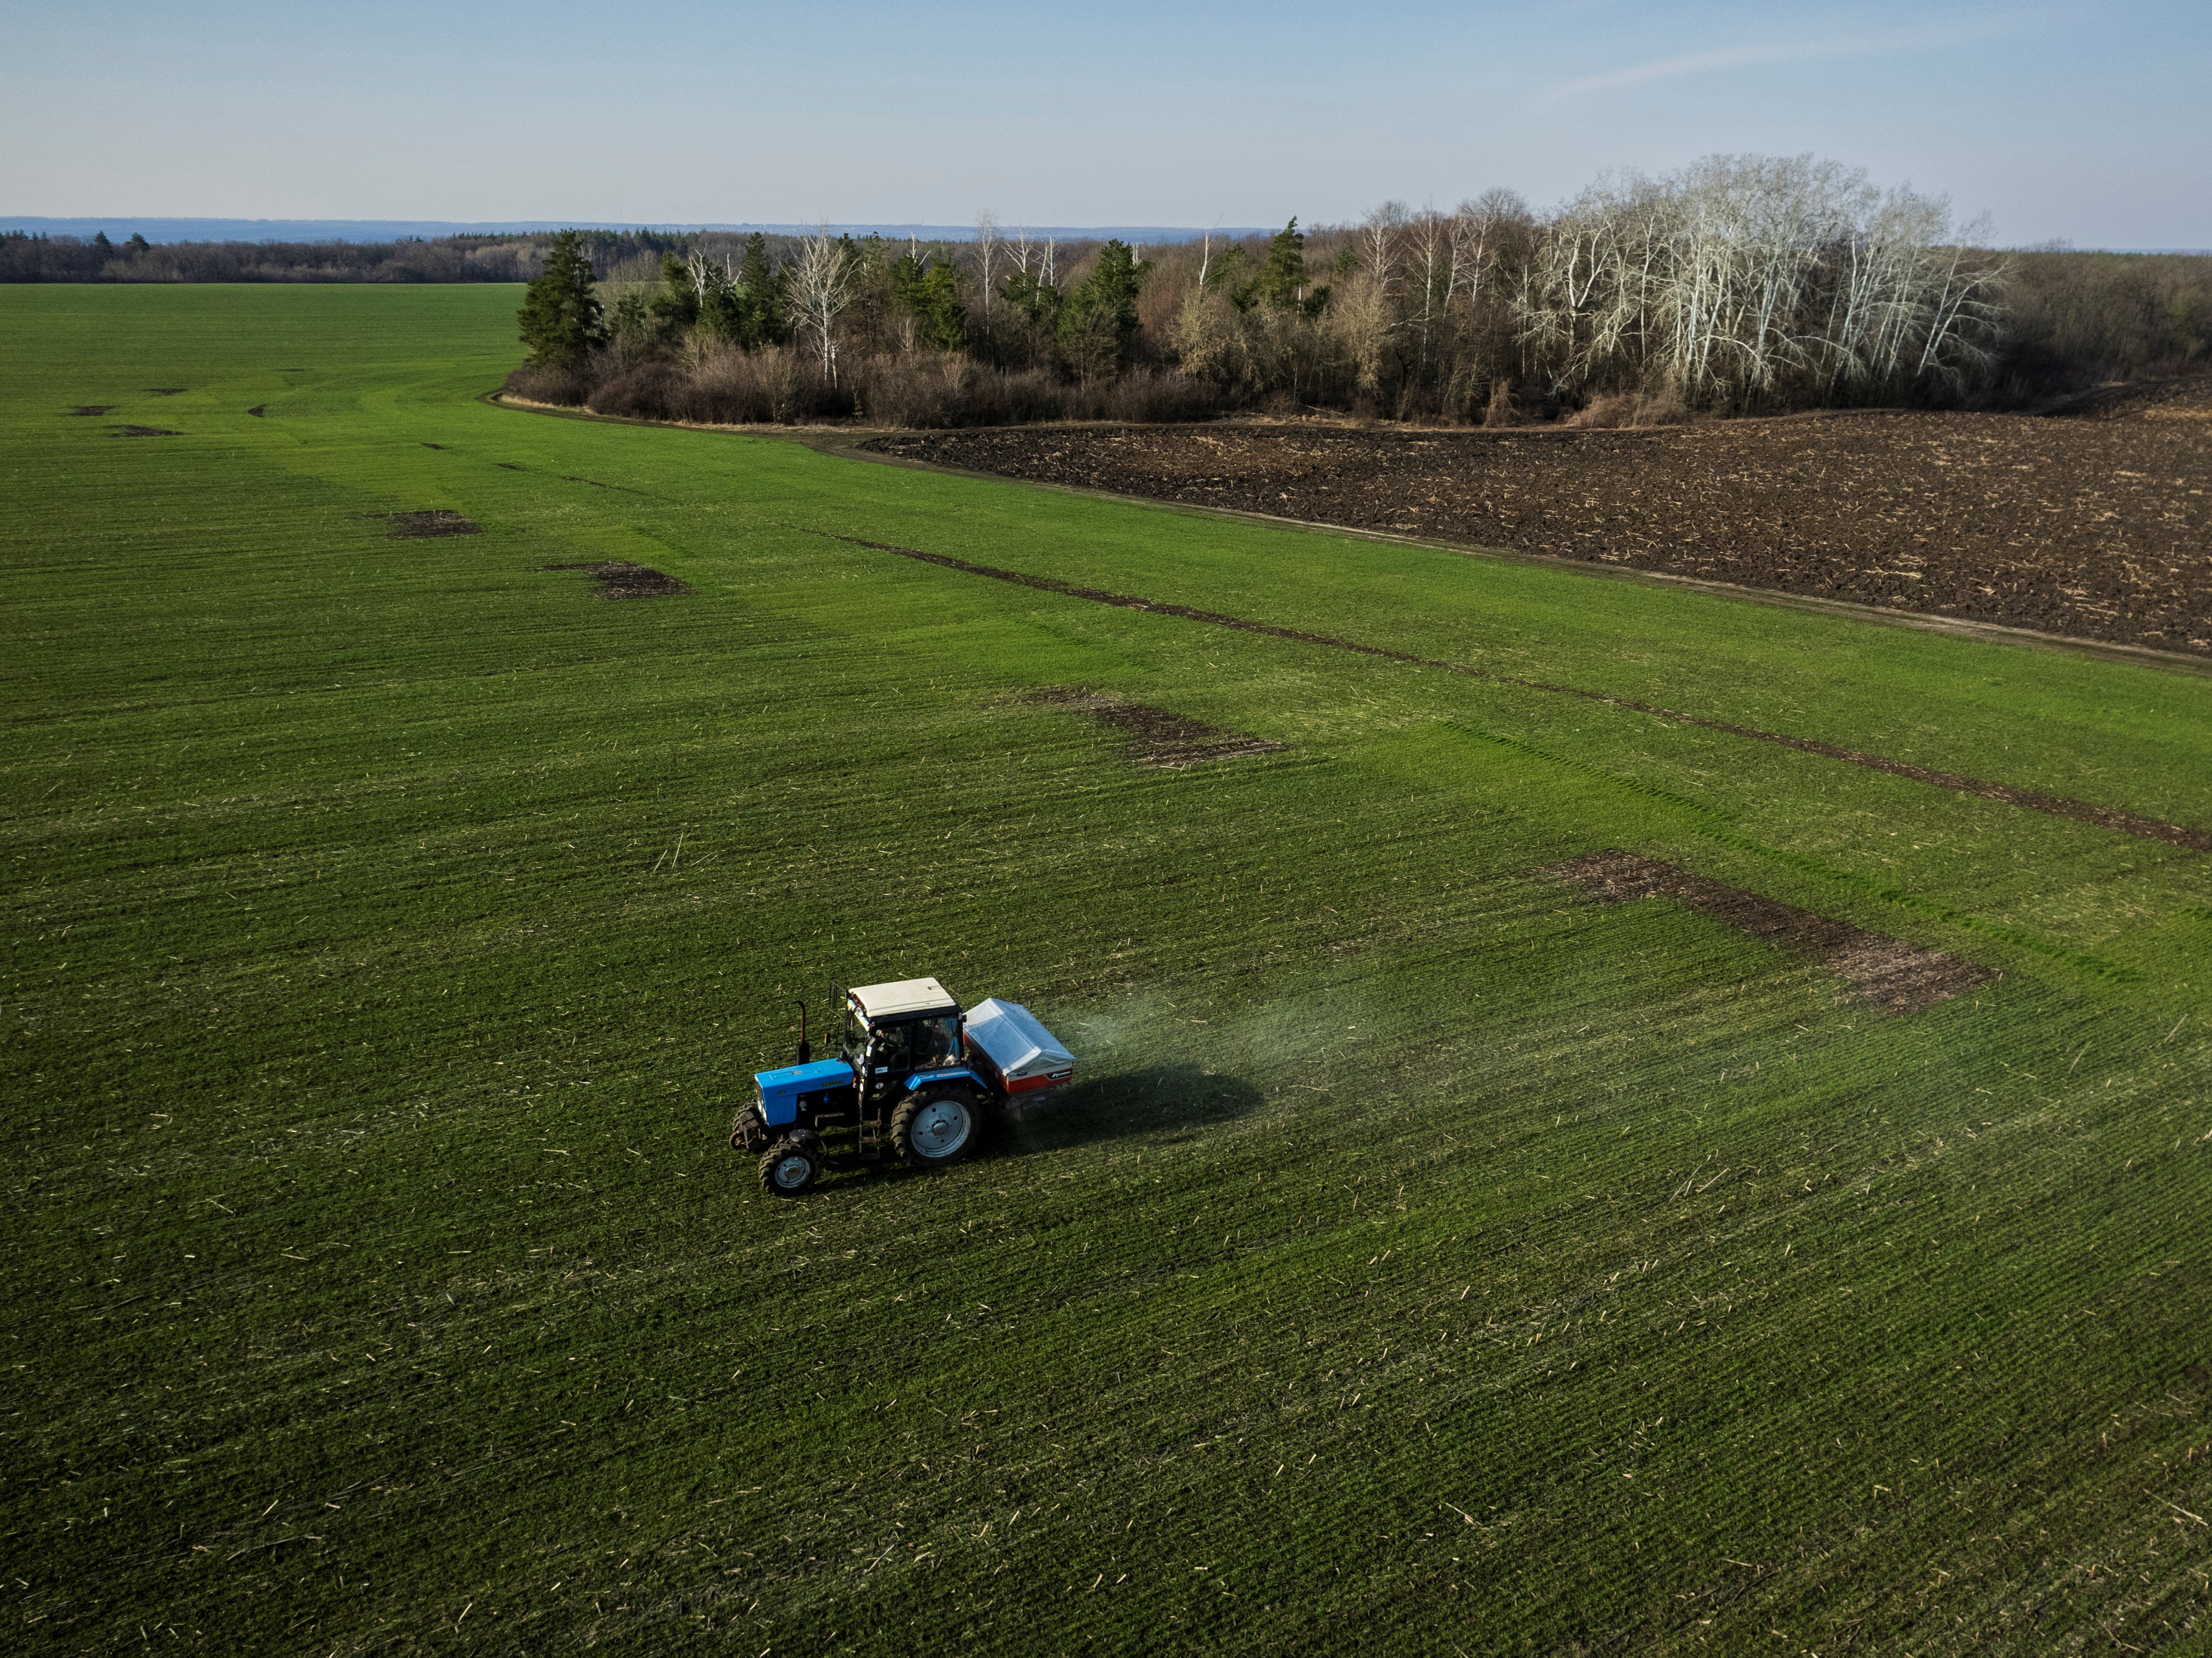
[2094,526]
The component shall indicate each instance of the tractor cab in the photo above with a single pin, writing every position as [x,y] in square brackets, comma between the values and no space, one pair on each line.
[894,1031]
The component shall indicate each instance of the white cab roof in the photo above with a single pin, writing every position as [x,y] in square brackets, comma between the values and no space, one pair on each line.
[907,996]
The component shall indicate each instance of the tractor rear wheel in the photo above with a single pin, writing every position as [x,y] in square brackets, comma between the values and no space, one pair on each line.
[790,1167]
[936,1127]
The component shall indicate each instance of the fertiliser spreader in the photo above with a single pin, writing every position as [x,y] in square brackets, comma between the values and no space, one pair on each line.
[915,1077]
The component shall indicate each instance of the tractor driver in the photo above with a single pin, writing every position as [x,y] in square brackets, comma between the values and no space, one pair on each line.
[936,1041]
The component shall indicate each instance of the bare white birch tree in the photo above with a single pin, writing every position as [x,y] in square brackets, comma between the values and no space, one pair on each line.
[987,247]
[822,282]
[1378,240]
[1430,278]
[1743,280]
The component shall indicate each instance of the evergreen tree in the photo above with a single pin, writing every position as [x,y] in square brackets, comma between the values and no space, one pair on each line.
[1282,281]
[138,245]
[560,317]
[1099,324]
[944,319]
[927,289]
[677,305]
[1037,299]
[631,318]
[761,320]
[721,314]
[906,282]
[99,240]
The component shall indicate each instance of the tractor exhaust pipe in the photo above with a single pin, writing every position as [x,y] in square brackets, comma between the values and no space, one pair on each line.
[806,1047]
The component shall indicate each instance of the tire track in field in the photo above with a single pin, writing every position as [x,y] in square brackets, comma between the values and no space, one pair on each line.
[2123,823]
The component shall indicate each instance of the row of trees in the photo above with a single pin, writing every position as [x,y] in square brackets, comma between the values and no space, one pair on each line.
[830,293]
[1740,284]
[40,258]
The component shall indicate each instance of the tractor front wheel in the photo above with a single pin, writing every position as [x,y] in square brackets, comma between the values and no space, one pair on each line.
[748,1133]
[790,1167]
[935,1129]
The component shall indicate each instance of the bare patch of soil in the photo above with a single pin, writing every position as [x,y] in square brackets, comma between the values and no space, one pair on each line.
[620,580]
[429,523]
[1156,737]
[2098,526]
[259,411]
[433,446]
[1895,976]
[167,391]
[93,408]
[141,432]
[2122,822]
[511,467]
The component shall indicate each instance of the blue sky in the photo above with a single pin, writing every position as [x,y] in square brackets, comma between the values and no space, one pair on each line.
[2092,122]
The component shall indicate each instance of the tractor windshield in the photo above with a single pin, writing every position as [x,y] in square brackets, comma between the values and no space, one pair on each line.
[856,1035]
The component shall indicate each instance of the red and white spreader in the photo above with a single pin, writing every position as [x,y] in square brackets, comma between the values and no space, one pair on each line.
[914,1075]
[1016,1054]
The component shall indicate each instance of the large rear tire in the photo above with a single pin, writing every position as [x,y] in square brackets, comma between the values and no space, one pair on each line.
[936,1127]
[791,1168]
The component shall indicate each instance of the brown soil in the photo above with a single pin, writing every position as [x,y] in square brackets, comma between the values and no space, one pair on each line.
[1896,977]
[1156,738]
[425,526]
[2150,400]
[259,411]
[433,446]
[2096,526]
[93,408]
[619,579]
[140,432]
[509,465]
[2149,828]
[167,391]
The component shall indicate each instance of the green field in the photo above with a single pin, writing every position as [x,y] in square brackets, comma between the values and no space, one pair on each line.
[1431,1260]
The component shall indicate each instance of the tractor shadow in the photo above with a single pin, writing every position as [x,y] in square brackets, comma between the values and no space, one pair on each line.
[1161,1101]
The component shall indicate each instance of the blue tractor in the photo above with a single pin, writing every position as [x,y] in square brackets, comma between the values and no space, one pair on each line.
[915,1077]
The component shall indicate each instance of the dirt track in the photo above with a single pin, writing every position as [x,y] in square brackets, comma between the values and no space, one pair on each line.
[2094,526]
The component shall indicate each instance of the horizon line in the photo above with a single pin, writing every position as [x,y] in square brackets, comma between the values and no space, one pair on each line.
[174,228]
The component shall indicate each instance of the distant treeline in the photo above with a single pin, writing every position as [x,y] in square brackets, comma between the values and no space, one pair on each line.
[28,258]
[473,258]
